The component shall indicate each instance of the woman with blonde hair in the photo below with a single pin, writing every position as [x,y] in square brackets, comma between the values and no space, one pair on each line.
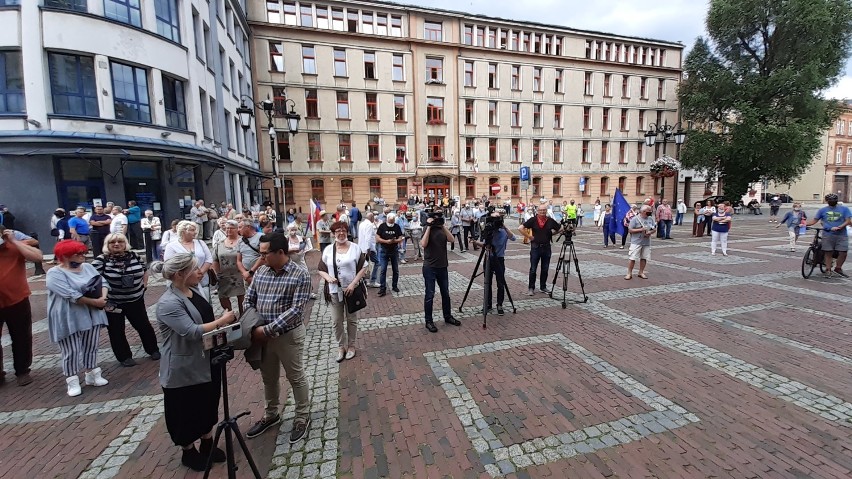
[187,243]
[191,383]
[225,265]
[127,276]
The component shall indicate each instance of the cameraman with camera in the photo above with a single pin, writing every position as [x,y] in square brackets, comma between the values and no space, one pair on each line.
[436,268]
[495,237]
[540,231]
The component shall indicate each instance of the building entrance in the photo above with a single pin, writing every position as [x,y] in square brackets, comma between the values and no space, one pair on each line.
[436,187]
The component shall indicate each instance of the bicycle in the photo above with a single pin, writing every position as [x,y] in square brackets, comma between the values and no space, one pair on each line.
[814,256]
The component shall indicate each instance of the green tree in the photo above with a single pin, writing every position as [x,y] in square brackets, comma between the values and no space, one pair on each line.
[753,92]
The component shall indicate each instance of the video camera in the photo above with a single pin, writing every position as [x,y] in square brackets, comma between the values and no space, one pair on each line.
[491,223]
[437,215]
[567,229]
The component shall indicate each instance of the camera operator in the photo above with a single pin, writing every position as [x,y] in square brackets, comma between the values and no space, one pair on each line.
[436,268]
[539,230]
[497,236]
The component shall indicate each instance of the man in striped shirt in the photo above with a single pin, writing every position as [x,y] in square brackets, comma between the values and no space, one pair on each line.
[279,292]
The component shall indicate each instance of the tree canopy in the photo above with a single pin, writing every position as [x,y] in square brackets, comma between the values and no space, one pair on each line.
[753,90]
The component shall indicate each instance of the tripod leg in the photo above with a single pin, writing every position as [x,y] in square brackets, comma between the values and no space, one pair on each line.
[579,275]
[219,428]
[472,277]
[229,452]
[245,449]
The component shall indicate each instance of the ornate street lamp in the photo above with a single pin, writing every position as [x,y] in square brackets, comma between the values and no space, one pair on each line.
[268,106]
[666,133]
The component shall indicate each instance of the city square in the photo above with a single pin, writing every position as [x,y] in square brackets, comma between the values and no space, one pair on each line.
[714,366]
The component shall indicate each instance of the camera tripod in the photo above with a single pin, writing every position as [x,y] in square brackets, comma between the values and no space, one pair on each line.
[564,266]
[220,357]
[486,271]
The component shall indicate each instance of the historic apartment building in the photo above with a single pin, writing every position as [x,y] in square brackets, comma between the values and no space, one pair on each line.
[838,164]
[114,100]
[400,100]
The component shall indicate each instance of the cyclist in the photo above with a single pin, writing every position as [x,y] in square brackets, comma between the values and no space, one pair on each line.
[834,219]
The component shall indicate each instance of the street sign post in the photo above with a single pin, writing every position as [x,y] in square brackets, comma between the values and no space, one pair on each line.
[525,177]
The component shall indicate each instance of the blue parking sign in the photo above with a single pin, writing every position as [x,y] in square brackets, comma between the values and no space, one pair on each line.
[525,173]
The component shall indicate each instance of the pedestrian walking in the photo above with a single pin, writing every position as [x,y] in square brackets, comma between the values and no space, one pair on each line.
[794,221]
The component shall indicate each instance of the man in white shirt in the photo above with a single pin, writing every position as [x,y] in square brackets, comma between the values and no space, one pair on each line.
[681,210]
[119,221]
[367,242]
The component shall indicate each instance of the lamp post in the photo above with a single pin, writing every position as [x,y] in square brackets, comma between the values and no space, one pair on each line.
[666,133]
[245,113]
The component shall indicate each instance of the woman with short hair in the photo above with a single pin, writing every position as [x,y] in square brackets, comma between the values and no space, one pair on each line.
[187,243]
[225,265]
[76,297]
[191,383]
[342,267]
[127,277]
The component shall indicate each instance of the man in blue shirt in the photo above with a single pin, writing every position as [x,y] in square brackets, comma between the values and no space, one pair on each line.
[354,219]
[134,225]
[80,228]
[496,263]
[834,219]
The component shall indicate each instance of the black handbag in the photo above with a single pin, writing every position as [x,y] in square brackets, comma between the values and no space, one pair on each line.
[358,299]
[94,288]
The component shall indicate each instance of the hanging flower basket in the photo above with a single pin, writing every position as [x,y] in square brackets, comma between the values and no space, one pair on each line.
[664,167]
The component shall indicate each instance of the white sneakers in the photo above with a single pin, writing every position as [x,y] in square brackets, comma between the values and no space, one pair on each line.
[92,378]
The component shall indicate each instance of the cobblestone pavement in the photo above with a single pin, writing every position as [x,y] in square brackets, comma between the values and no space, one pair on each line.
[714,366]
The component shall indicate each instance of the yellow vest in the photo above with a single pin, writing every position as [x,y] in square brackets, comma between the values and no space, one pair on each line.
[571,211]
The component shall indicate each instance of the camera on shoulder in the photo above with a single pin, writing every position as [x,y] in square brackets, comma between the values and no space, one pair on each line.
[437,216]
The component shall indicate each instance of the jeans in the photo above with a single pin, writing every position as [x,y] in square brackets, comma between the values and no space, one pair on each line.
[430,276]
[19,318]
[678,219]
[666,229]
[497,268]
[609,235]
[373,258]
[539,254]
[386,257]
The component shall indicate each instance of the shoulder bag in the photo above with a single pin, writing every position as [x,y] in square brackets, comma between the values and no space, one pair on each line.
[358,299]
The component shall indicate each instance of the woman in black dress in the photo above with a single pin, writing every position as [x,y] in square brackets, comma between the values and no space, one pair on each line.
[191,384]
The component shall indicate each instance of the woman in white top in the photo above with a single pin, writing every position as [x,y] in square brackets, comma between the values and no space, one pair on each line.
[351,268]
[169,235]
[598,216]
[186,243]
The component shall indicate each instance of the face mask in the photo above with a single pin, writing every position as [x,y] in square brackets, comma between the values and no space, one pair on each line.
[796,209]
[292,233]
[74,264]
[340,240]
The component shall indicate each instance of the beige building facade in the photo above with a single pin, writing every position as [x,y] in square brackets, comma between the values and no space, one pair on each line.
[399,100]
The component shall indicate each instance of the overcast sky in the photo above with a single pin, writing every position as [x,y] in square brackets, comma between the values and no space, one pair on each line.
[672,20]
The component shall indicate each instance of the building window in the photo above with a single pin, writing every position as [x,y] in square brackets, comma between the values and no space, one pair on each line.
[492,150]
[370,65]
[661,90]
[516,115]
[849,155]
[436,148]
[625,119]
[318,190]
[124,11]
[309,62]
[174,102]
[639,189]
[283,140]
[290,13]
[398,68]
[492,113]
[396,26]
[434,110]
[557,151]
[279,101]
[343,105]
[12,83]
[605,126]
[344,144]
[469,149]
[587,118]
[381,24]
[468,112]
[643,89]
[289,193]
[589,87]
[352,21]
[273,12]
[401,188]
[375,187]
[72,84]
[467,37]
[346,190]
[557,117]
[536,151]
[604,186]
[641,120]
[401,148]
[367,22]
[339,63]
[525,42]
[168,21]
[608,85]
[373,148]
[604,152]
[314,147]
[516,146]
[838,158]
[536,48]
[640,153]
[492,75]
[468,74]
[557,186]
[492,37]
[514,41]
[585,154]
[537,84]
[306,15]
[130,91]
[625,87]
[322,16]
[337,19]
[503,38]
[557,47]
[515,186]
[372,107]
[622,152]
[516,77]
[75,5]
[433,31]
[276,57]
[470,187]
[398,108]
[434,70]
[480,36]
[536,186]
[311,105]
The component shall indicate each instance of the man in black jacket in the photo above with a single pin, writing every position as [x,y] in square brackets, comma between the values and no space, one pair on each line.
[436,269]
[539,230]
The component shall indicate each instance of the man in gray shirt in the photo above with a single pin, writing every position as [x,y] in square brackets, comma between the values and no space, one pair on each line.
[641,228]
[436,268]
[248,250]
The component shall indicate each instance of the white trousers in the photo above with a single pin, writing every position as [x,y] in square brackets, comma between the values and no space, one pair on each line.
[715,237]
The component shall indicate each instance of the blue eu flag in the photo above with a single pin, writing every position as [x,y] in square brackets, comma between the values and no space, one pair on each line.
[620,207]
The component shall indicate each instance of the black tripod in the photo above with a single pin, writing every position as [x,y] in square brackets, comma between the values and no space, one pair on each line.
[486,270]
[564,266]
[220,357]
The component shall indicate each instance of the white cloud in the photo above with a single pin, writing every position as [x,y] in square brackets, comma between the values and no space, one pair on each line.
[842,90]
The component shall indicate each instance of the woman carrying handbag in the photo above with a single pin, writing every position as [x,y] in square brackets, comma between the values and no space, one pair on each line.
[345,261]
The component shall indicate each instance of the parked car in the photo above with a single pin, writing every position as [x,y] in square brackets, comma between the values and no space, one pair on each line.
[785,198]
[721,199]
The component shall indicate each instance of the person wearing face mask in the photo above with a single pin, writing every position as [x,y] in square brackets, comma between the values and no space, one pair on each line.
[793,220]
[641,228]
[388,237]
[539,231]
[75,314]
[835,218]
